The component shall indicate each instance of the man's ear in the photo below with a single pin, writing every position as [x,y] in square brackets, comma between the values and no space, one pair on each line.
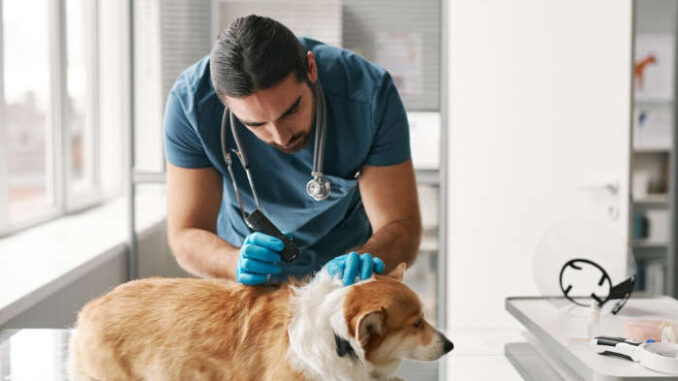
[370,325]
[311,67]
[398,272]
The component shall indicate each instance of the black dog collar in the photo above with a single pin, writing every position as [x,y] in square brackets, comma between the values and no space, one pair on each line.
[344,347]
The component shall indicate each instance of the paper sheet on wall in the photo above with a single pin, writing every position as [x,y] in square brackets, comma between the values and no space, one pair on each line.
[425,139]
[401,53]
[653,127]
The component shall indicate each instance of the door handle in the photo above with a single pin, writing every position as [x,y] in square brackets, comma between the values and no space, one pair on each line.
[612,187]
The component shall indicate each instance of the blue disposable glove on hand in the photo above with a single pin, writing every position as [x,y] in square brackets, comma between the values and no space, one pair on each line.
[349,266]
[258,259]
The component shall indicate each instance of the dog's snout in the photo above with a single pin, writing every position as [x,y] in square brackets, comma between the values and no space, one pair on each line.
[447,345]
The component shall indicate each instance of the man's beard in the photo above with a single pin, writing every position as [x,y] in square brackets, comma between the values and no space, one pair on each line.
[296,144]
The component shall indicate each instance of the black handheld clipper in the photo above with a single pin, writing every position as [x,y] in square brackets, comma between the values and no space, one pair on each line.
[258,222]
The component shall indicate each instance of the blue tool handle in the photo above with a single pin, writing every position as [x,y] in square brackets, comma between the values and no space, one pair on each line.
[260,223]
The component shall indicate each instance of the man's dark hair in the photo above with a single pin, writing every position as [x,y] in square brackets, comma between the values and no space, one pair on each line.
[255,53]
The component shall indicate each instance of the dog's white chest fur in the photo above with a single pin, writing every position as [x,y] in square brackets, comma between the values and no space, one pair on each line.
[317,316]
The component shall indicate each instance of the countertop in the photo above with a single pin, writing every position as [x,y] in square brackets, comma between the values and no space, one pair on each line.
[41,354]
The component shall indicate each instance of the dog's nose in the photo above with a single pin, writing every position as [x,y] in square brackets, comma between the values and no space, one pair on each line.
[447,345]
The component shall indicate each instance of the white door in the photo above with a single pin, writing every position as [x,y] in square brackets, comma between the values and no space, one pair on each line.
[539,97]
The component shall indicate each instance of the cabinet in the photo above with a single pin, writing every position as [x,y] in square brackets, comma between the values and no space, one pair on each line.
[653,176]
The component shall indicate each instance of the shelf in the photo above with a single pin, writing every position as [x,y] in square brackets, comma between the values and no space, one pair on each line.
[429,245]
[649,244]
[653,200]
[652,149]
[427,176]
[650,255]
[652,101]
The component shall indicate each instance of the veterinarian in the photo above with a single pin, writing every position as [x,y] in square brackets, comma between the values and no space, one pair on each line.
[370,222]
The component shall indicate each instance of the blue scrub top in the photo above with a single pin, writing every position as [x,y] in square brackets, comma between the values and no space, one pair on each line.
[366,125]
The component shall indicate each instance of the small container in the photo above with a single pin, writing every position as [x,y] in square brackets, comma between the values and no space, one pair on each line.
[644,329]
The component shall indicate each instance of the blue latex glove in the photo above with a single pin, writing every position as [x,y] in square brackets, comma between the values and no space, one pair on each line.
[258,259]
[349,266]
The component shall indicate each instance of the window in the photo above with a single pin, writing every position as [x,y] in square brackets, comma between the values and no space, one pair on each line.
[80,108]
[27,113]
[52,120]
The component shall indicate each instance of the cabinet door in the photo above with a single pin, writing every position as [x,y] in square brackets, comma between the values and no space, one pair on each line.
[539,99]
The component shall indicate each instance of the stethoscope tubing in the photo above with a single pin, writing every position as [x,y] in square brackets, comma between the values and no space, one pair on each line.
[318,146]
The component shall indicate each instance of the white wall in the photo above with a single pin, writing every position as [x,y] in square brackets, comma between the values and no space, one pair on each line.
[539,104]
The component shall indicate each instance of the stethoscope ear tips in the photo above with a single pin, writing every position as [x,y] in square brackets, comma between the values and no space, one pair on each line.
[318,188]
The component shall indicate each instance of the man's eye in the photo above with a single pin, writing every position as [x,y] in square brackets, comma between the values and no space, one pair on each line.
[418,323]
[292,111]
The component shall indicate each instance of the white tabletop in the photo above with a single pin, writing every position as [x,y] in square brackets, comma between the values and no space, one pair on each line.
[560,334]
[39,354]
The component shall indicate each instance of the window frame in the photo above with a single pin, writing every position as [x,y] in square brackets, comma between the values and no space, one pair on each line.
[74,202]
[57,147]
[4,168]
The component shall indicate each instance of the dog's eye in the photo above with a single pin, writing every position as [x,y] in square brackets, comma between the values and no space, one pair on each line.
[418,323]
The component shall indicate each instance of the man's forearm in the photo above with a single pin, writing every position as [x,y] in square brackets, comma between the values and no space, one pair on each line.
[204,253]
[394,243]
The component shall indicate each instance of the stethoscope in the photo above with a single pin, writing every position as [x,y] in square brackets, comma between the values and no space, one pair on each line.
[318,187]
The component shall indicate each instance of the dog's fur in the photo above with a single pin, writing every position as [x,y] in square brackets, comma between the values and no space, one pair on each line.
[209,329]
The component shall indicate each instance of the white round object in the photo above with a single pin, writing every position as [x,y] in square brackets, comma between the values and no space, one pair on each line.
[588,247]
[318,188]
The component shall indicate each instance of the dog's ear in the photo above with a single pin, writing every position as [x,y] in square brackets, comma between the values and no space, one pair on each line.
[398,272]
[370,325]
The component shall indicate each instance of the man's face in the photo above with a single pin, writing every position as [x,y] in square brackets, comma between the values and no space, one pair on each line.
[281,116]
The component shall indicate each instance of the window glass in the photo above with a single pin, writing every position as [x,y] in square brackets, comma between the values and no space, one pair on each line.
[27,111]
[78,101]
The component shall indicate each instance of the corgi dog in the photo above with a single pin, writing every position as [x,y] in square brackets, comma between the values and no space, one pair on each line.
[213,329]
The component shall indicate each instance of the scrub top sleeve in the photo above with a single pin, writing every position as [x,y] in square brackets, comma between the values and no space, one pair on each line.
[183,147]
[391,143]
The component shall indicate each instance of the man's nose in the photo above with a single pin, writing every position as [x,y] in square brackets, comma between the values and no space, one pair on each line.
[280,135]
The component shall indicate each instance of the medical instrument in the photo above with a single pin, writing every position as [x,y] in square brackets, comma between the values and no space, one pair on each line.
[662,357]
[319,186]
[256,220]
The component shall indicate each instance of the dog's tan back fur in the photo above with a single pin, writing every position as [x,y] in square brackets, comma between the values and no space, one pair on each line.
[185,329]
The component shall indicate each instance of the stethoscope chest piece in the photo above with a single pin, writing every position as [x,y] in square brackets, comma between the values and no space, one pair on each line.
[318,188]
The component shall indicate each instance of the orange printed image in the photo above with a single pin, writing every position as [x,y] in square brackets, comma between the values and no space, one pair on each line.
[641,66]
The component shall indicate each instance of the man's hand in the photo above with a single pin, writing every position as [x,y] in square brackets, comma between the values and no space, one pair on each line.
[349,266]
[258,259]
